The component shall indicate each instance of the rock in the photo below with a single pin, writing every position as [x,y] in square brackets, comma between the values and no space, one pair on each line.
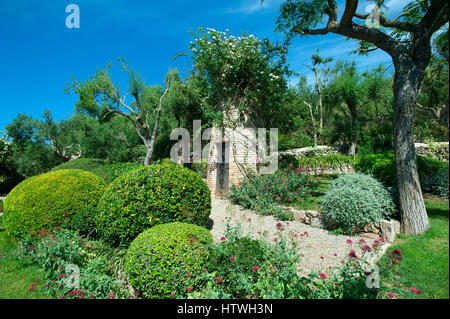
[372,228]
[315,222]
[312,214]
[307,221]
[396,224]
[300,215]
[369,235]
[388,230]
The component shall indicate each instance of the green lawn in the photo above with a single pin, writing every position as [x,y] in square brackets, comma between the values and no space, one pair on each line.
[16,276]
[426,257]
[313,202]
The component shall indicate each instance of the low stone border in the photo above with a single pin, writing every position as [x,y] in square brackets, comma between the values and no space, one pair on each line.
[385,228]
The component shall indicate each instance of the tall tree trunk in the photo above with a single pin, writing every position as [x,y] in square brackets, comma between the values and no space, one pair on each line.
[148,155]
[406,87]
[353,144]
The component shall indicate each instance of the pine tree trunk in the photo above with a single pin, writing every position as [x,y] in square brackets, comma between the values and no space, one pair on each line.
[406,87]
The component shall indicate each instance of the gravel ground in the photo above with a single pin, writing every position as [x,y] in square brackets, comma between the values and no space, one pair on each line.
[316,249]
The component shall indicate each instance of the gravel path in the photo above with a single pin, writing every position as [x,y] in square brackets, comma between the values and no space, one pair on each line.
[311,247]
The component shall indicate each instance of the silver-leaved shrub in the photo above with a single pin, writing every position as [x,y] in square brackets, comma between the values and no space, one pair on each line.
[355,200]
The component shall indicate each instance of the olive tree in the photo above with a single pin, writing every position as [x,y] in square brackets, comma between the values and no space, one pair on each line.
[100,97]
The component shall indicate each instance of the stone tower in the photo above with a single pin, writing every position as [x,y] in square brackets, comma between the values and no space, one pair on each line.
[232,153]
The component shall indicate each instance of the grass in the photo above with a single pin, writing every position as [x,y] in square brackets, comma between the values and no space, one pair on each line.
[16,275]
[313,202]
[426,257]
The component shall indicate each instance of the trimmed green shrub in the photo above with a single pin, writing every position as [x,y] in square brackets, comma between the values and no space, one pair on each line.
[167,259]
[382,167]
[87,164]
[44,200]
[200,168]
[84,221]
[110,172]
[437,184]
[148,196]
[355,200]
[441,184]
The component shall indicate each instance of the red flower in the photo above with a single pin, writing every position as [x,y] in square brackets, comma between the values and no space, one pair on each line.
[218,279]
[222,238]
[232,258]
[366,248]
[349,241]
[204,269]
[188,274]
[323,276]
[255,268]
[189,289]
[391,295]
[352,254]
[172,294]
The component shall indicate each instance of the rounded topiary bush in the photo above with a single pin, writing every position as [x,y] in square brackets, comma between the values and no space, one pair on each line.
[110,172]
[42,201]
[87,164]
[355,200]
[167,259]
[83,221]
[148,196]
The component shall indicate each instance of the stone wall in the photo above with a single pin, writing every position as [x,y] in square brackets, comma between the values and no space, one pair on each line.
[438,150]
[319,150]
[385,228]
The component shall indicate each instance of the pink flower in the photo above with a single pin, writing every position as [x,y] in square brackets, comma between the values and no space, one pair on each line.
[391,295]
[65,214]
[189,289]
[366,248]
[323,276]
[218,279]
[232,258]
[172,294]
[349,241]
[352,254]
[222,238]
[204,269]
[38,279]
[362,241]
[188,274]
[62,297]
[255,268]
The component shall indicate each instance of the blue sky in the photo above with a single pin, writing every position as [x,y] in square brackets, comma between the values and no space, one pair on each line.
[39,54]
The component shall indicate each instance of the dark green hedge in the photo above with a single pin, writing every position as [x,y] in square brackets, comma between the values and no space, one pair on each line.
[151,195]
[110,172]
[87,164]
[167,259]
